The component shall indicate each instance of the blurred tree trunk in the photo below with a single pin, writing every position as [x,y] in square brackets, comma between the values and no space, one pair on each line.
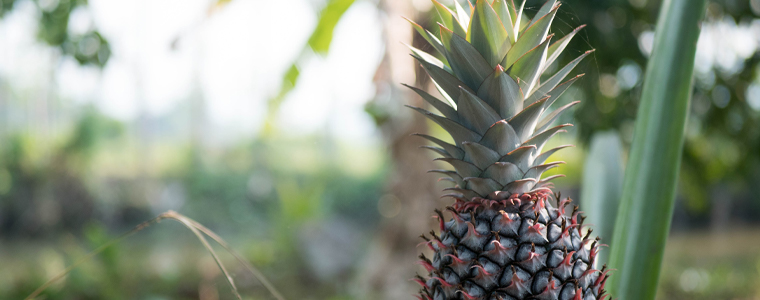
[390,262]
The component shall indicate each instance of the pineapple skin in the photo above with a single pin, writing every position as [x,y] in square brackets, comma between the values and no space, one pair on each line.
[517,248]
[503,238]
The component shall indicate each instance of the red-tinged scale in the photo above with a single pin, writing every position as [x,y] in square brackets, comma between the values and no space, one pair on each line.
[557,268]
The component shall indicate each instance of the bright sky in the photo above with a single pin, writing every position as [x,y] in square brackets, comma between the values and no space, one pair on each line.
[235,58]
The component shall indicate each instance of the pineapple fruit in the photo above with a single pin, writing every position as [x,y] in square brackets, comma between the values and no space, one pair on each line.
[504,238]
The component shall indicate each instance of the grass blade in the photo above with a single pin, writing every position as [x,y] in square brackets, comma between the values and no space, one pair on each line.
[256,273]
[646,208]
[197,229]
[90,255]
[202,239]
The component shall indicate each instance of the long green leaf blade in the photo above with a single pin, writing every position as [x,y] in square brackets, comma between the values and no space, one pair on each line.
[646,209]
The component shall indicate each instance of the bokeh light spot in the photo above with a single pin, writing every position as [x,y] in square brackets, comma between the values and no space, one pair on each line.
[628,75]
[753,96]
[721,96]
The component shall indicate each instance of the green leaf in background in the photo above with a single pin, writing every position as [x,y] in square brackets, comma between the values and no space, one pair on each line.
[646,208]
[319,42]
[602,186]
[290,78]
[329,16]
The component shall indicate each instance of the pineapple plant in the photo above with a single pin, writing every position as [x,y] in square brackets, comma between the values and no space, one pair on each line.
[503,238]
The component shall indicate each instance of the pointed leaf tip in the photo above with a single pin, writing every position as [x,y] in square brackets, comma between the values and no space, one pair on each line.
[532,37]
[502,93]
[449,19]
[428,36]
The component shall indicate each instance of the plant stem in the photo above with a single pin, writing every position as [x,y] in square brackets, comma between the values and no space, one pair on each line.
[649,189]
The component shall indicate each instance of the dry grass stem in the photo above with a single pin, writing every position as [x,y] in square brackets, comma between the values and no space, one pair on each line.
[197,229]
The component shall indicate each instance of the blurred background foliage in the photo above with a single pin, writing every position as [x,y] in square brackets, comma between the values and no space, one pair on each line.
[303,191]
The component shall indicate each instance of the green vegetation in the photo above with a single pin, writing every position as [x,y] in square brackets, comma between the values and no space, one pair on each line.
[306,209]
[649,191]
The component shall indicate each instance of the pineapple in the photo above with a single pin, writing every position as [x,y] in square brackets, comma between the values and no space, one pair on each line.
[504,239]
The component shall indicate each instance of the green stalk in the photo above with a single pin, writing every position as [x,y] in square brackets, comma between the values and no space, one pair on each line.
[649,190]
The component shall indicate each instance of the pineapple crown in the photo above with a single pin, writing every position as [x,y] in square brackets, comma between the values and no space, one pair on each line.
[495,106]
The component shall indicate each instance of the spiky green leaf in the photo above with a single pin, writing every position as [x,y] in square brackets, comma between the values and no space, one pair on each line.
[516,12]
[449,19]
[464,168]
[525,122]
[487,34]
[482,186]
[502,9]
[501,137]
[553,81]
[441,106]
[502,93]
[521,156]
[455,151]
[448,84]
[557,47]
[540,159]
[503,172]
[467,63]
[459,193]
[458,132]
[549,119]
[545,9]
[429,37]
[520,186]
[475,114]
[545,182]
[430,59]
[452,174]
[532,37]
[539,140]
[437,150]
[528,67]
[479,155]
[536,171]
[462,15]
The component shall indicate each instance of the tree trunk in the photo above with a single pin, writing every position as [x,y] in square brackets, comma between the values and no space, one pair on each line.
[390,262]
